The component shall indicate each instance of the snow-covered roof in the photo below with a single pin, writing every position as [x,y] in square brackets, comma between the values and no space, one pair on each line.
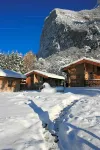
[10,73]
[49,75]
[80,60]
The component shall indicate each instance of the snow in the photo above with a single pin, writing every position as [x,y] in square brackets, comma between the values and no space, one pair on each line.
[48,89]
[79,127]
[27,120]
[60,89]
[50,75]
[84,58]
[10,73]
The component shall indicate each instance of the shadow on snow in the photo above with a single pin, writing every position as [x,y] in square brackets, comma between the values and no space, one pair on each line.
[53,127]
[83,90]
[72,140]
[43,116]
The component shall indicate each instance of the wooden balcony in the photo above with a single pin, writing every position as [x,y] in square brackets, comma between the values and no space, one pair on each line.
[85,83]
[76,83]
[92,83]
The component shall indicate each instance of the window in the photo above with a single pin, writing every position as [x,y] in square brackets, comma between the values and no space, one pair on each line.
[91,75]
[98,69]
[10,82]
[41,79]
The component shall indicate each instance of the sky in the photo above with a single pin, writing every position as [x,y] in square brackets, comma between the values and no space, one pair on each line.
[21,21]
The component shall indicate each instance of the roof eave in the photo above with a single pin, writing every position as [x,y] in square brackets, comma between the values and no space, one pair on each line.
[80,62]
[30,73]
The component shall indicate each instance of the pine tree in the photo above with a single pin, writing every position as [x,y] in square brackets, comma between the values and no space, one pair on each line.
[12,61]
[15,62]
[2,60]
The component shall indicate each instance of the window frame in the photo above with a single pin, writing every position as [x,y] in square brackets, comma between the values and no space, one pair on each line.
[98,69]
[10,82]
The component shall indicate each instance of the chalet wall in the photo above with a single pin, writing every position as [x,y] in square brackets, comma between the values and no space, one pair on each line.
[37,78]
[51,81]
[28,82]
[33,80]
[9,84]
[76,75]
[91,72]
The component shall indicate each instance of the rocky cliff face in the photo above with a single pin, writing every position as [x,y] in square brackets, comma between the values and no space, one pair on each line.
[64,29]
[98,2]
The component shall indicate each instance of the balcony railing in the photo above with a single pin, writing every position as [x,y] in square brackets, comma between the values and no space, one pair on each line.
[92,82]
[85,83]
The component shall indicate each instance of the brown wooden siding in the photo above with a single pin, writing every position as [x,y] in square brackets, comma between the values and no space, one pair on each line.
[91,72]
[34,81]
[28,82]
[77,75]
[9,84]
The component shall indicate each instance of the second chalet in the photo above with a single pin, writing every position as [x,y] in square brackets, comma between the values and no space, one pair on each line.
[35,78]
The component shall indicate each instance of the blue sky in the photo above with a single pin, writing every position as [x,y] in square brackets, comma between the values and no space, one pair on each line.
[21,21]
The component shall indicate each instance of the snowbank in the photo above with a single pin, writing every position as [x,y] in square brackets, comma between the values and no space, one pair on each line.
[48,89]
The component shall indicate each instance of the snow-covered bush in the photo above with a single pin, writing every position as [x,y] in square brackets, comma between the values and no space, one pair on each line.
[48,89]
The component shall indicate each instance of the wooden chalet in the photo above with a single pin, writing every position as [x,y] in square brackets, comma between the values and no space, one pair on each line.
[83,72]
[10,80]
[35,78]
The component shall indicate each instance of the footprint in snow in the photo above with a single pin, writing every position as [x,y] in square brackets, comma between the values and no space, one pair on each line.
[98,119]
[70,116]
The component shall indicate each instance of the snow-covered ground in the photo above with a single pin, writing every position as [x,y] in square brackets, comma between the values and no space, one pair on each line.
[73,120]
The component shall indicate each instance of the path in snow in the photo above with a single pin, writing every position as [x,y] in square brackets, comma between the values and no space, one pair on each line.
[79,123]
[21,117]
[73,116]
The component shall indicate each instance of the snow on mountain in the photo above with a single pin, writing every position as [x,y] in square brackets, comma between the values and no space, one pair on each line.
[64,29]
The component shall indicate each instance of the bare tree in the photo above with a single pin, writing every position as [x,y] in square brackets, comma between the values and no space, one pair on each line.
[29,61]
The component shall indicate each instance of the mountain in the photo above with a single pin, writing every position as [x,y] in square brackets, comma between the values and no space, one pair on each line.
[64,29]
[98,1]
